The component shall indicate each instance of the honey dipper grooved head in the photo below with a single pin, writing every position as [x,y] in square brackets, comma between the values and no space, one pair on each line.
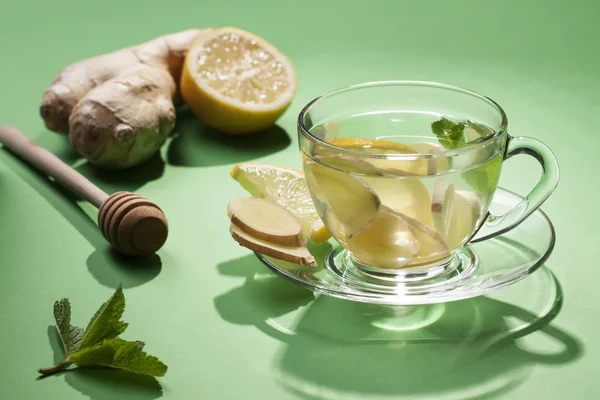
[134,225]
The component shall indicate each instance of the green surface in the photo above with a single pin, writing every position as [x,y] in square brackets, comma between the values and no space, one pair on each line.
[206,306]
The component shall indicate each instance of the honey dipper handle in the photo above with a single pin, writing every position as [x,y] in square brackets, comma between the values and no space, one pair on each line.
[47,162]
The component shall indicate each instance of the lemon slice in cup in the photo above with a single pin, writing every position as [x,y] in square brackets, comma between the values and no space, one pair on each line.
[386,166]
[237,82]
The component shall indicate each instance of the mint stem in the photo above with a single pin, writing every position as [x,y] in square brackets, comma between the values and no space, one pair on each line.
[57,368]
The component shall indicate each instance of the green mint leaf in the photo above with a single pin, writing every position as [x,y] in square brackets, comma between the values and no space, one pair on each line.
[106,323]
[140,345]
[120,354]
[70,335]
[75,336]
[484,178]
[449,134]
[62,317]
[100,344]
[452,135]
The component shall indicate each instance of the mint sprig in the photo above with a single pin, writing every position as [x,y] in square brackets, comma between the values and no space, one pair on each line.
[452,135]
[99,344]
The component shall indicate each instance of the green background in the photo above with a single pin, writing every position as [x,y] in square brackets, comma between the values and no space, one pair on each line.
[205,305]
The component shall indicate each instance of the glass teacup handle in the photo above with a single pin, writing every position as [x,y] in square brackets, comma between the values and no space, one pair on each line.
[495,225]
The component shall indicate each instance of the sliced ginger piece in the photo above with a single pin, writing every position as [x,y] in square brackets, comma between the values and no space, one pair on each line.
[296,255]
[389,242]
[434,165]
[353,204]
[462,217]
[395,240]
[286,187]
[455,213]
[406,196]
[432,246]
[328,131]
[443,192]
[266,220]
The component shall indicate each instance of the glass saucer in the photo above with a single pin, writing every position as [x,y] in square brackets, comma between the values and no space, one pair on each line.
[490,265]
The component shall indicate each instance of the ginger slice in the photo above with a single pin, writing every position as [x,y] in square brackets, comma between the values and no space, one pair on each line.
[455,213]
[297,255]
[267,221]
[388,243]
[353,202]
[443,192]
[434,165]
[432,246]
[406,196]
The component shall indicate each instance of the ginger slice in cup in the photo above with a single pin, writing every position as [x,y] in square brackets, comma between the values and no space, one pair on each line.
[352,203]
[395,240]
[443,193]
[432,246]
[328,131]
[389,242]
[266,221]
[297,255]
[434,165]
[455,213]
[404,195]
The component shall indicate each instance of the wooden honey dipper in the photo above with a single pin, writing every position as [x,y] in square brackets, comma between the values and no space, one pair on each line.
[133,225]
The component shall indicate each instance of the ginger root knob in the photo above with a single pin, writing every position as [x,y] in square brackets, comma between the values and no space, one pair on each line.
[117,108]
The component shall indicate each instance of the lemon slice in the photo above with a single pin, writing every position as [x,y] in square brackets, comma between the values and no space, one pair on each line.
[387,166]
[286,187]
[373,145]
[237,82]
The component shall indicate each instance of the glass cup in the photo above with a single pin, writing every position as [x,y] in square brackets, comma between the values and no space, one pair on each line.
[403,173]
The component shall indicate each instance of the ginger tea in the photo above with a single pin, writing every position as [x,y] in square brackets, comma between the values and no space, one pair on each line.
[390,206]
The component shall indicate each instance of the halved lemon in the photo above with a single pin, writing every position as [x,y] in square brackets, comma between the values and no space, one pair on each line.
[286,187]
[237,82]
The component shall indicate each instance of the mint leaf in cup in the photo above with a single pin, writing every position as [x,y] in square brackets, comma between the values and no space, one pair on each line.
[450,134]
[454,135]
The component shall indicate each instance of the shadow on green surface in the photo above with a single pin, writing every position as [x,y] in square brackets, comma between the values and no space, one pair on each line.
[340,349]
[261,297]
[196,145]
[101,383]
[129,179]
[104,384]
[105,264]
[111,268]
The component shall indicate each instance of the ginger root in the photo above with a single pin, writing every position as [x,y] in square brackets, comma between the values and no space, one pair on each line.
[118,108]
